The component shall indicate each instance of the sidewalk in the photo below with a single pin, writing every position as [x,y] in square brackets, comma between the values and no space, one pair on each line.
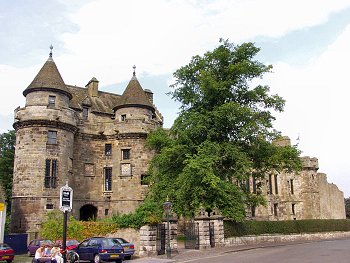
[187,255]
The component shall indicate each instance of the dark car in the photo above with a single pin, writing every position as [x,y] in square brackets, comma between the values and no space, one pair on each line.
[98,249]
[6,253]
[129,248]
[35,244]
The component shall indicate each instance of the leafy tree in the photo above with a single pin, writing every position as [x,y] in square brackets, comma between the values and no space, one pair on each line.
[7,152]
[347,207]
[52,227]
[223,135]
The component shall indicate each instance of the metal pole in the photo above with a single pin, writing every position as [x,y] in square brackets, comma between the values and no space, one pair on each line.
[168,251]
[64,239]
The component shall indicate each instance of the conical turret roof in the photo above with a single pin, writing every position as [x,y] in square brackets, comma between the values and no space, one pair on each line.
[48,78]
[134,96]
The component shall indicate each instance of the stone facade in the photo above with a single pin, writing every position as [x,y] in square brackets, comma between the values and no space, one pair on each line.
[302,195]
[95,141]
[91,139]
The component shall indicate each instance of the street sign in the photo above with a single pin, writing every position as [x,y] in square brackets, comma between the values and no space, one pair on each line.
[66,198]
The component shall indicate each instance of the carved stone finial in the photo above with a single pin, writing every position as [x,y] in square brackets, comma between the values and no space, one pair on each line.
[134,73]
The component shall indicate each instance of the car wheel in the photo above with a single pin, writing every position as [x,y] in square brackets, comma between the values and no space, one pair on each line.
[9,261]
[119,261]
[127,257]
[97,258]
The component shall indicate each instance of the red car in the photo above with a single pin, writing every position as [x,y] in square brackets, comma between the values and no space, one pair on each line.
[70,244]
[6,253]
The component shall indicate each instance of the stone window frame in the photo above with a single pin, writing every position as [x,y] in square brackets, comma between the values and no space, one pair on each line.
[49,206]
[123,117]
[50,179]
[270,184]
[142,179]
[51,101]
[292,186]
[276,184]
[293,209]
[275,209]
[107,179]
[125,154]
[108,149]
[51,137]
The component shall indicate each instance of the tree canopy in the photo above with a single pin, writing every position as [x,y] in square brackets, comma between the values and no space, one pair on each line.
[223,135]
[7,153]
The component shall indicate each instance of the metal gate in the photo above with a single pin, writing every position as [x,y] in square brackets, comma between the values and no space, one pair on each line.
[161,239]
[191,232]
[211,234]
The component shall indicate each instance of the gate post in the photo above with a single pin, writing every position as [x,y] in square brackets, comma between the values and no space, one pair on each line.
[218,220]
[203,228]
[173,233]
[148,240]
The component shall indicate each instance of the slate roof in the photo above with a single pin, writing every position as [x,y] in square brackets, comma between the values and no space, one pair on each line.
[48,78]
[104,103]
[133,96]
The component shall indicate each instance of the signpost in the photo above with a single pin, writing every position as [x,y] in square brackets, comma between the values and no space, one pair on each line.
[66,200]
[2,220]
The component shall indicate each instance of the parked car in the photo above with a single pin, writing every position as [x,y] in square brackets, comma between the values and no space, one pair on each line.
[35,244]
[97,249]
[129,248]
[6,253]
[70,244]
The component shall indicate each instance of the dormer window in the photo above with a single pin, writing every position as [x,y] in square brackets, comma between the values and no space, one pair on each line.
[85,113]
[52,101]
[123,117]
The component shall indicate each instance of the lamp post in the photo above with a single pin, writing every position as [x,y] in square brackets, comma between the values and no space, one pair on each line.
[167,208]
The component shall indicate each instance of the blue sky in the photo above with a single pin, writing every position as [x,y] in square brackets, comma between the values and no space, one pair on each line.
[307,42]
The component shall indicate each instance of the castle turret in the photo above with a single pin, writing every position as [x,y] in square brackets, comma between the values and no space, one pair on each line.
[135,108]
[45,130]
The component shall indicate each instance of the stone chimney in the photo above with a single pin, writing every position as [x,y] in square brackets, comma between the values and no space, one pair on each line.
[92,87]
[149,95]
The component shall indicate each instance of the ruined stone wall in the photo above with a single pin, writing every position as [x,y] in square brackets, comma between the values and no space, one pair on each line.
[301,195]
[332,204]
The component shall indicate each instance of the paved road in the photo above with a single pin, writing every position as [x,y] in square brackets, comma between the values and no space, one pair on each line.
[334,251]
[331,251]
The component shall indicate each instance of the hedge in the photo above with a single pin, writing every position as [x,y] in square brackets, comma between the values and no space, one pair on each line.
[244,228]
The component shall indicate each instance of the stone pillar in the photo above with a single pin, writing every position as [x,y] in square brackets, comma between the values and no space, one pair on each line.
[148,240]
[203,228]
[218,220]
[173,234]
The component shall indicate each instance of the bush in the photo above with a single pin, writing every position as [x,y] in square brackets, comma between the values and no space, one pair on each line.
[233,228]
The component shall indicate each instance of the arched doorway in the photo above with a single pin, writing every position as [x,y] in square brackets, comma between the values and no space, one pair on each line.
[88,212]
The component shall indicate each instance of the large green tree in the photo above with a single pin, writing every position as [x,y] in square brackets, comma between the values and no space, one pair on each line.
[7,153]
[223,135]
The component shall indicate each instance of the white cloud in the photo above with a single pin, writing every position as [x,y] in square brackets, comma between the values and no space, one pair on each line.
[159,36]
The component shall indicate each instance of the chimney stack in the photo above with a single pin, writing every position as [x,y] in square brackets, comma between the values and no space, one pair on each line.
[92,87]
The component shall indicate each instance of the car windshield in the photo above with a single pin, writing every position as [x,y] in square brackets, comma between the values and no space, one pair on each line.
[121,240]
[4,246]
[110,242]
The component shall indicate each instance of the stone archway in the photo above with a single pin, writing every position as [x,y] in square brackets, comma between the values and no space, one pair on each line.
[88,212]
